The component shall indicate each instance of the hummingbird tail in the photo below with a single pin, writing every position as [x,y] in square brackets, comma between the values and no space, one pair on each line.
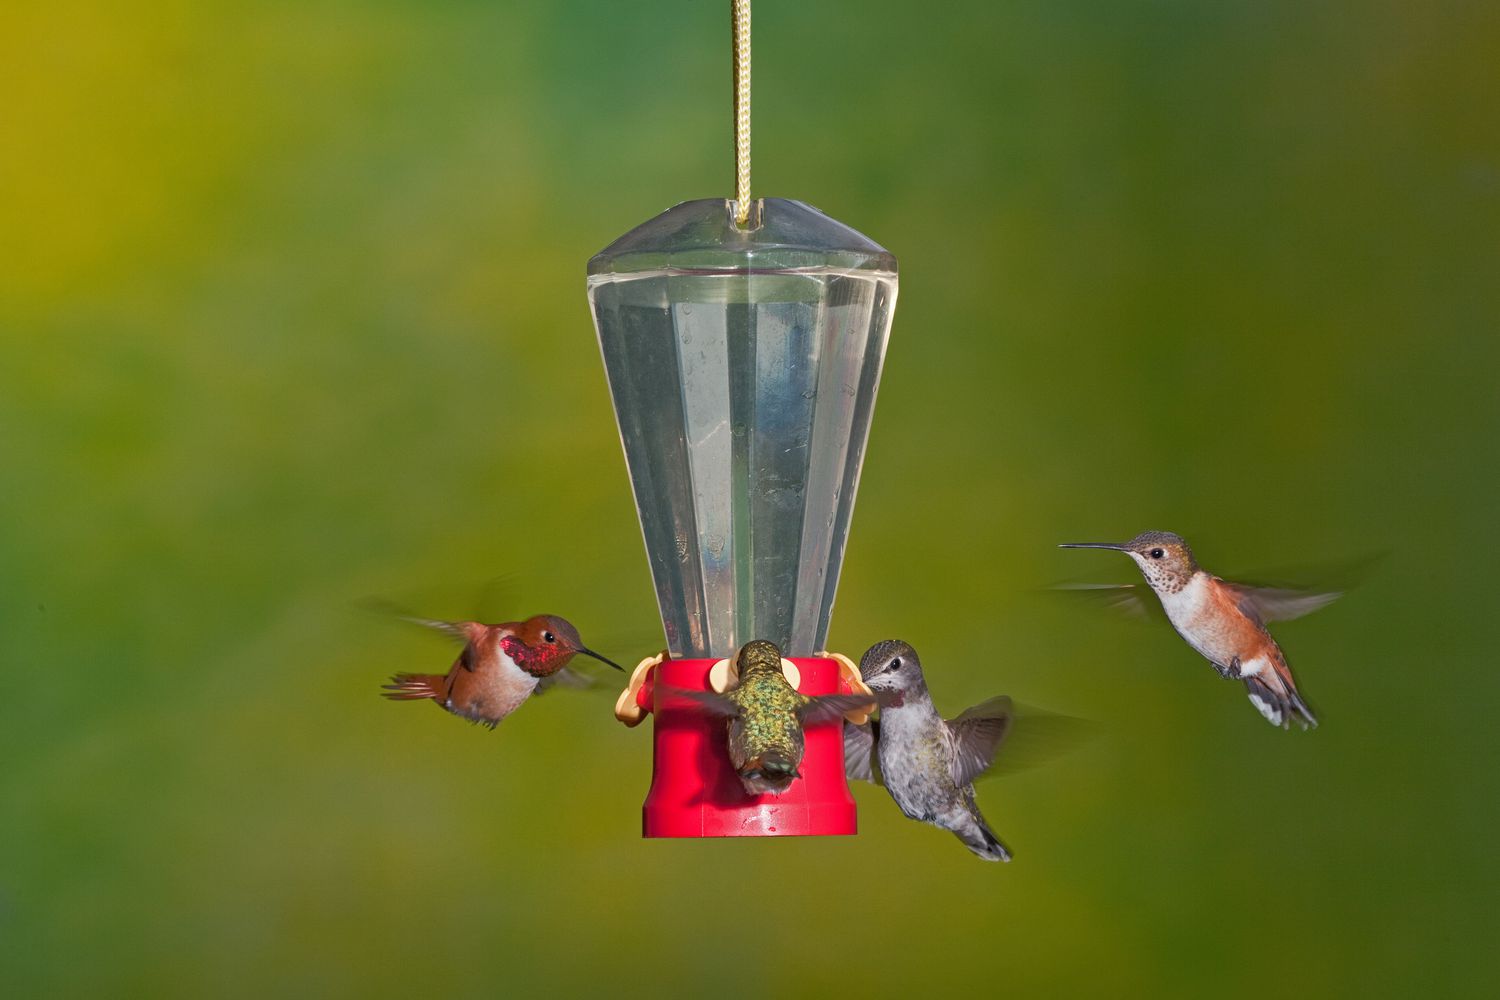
[414,687]
[1278,701]
[775,764]
[769,774]
[979,838]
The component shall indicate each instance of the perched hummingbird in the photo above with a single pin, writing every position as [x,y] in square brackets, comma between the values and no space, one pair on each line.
[766,715]
[1225,622]
[927,765]
[499,668]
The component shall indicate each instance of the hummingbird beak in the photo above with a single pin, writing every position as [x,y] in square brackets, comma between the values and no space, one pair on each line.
[589,652]
[1116,546]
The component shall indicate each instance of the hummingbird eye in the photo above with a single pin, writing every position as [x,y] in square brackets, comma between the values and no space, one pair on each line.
[1157,553]
[896,663]
[549,637]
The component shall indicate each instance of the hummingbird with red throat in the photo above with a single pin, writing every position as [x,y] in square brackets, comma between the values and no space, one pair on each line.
[499,668]
[1224,622]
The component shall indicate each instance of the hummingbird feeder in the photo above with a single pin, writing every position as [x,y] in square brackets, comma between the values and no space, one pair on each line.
[743,341]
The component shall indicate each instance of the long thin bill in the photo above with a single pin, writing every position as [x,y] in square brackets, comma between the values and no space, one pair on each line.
[602,659]
[1116,546]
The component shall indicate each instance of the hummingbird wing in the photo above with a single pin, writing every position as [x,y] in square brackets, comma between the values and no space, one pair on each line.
[861,763]
[1134,600]
[464,632]
[712,702]
[976,736]
[1283,595]
[827,707]
[1037,736]
[567,677]
[457,631]
[581,675]
[1279,604]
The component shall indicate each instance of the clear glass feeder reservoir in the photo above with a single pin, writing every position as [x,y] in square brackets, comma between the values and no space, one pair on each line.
[743,362]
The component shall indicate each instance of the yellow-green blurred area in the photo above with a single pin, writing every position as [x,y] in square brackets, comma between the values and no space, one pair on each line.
[292,308]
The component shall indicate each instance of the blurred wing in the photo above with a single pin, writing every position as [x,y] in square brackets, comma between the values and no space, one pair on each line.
[1279,604]
[458,631]
[1134,600]
[827,707]
[1037,737]
[1280,596]
[714,704]
[567,677]
[976,737]
[463,632]
[583,674]
[498,596]
[860,760]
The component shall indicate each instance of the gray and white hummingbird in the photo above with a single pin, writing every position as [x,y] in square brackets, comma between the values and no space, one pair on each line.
[928,765]
[1225,622]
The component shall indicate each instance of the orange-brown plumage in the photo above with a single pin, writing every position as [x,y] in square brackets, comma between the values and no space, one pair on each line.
[1221,617]
[1225,622]
[499,667]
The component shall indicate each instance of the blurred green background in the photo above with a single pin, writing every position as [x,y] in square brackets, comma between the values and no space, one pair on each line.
[292,308]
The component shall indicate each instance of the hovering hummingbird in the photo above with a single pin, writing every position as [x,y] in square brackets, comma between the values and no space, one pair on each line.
[766,715]
[1225,622]
[928,765]
[499,668]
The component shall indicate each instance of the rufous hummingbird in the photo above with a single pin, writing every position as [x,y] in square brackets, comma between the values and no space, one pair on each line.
[1225,622]
[499,668]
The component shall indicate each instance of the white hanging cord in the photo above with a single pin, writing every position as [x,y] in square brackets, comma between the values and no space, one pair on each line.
[740,12]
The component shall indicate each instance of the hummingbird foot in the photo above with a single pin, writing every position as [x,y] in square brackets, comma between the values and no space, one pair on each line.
[1230,670]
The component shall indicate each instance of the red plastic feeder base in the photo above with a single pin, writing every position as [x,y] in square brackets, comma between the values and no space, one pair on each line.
[694,790]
